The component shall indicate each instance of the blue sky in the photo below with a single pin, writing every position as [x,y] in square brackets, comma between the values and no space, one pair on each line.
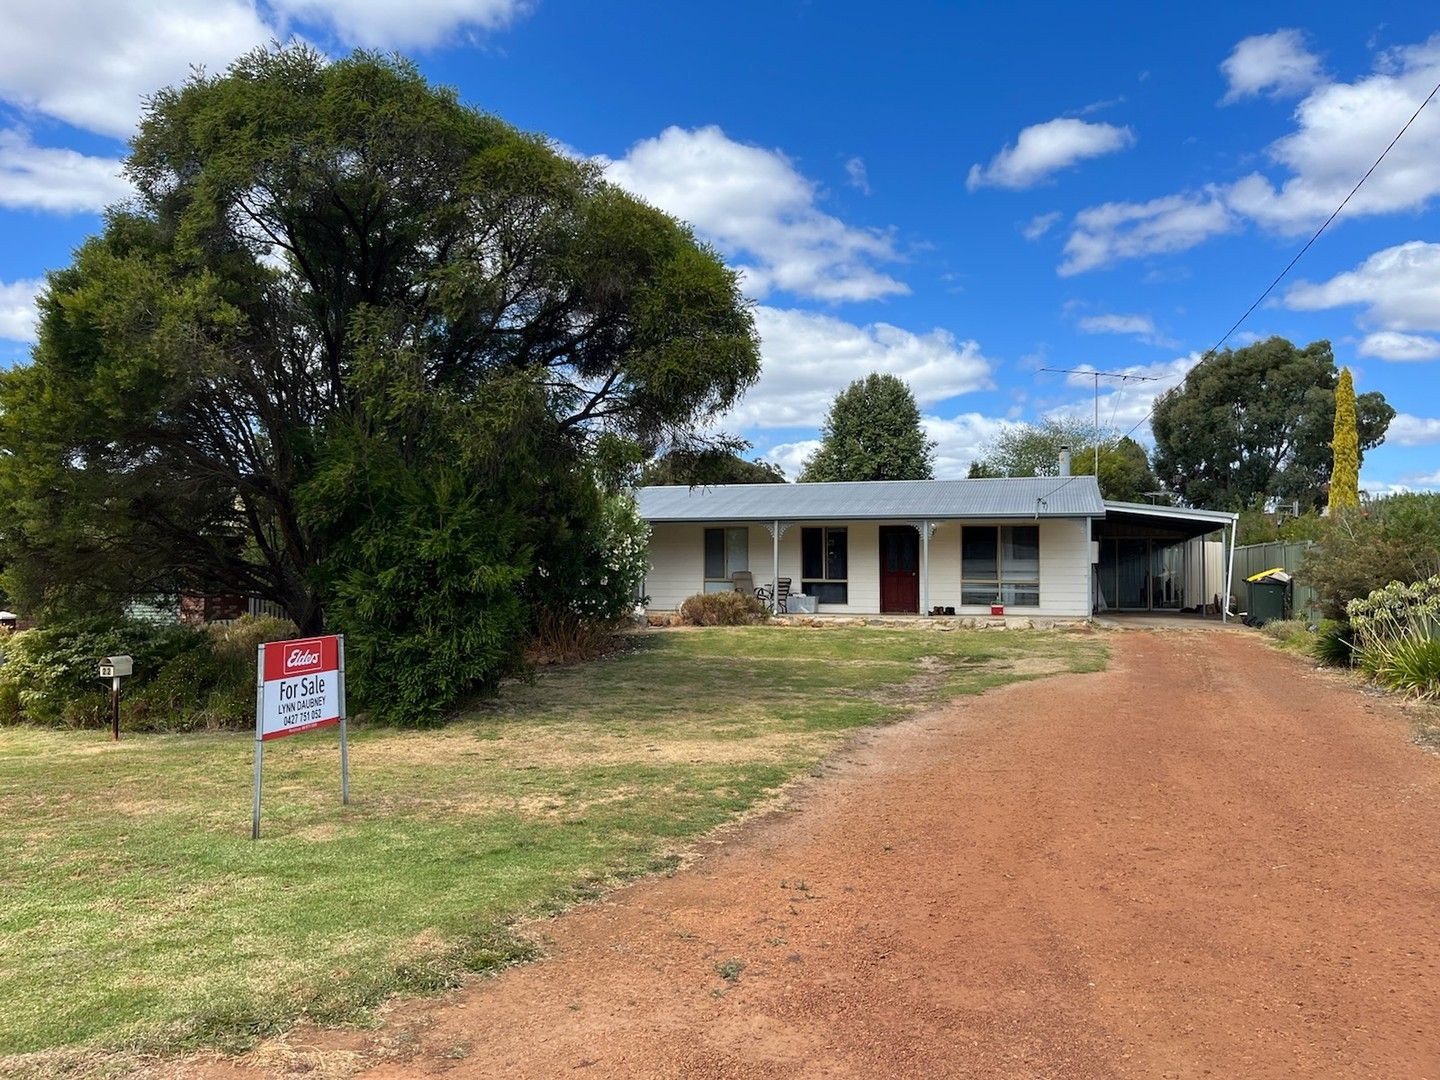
[958,194]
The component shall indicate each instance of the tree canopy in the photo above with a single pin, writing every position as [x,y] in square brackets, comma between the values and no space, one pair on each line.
[698,468]
[1256,423]
[352,348]
[1034,450]
[872,432]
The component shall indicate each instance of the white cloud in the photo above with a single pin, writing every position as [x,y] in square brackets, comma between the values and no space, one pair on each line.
[1413,482]
[416,24]
[1402,348]
[859,176]
[1040,224]
[1105,234]
[91,65]
[1407,430]
[760,211]
[1341,128]
[1139,326]
[808,358]
[1276,64]
[1399,288]
[1117,324]
[17,309]
[791,456]
[1125,404]
[1043,149]
[55,179]
[960,439]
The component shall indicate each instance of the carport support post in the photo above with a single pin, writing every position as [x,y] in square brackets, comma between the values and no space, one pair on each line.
[1229,574]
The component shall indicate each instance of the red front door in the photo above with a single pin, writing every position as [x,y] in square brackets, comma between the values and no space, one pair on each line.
[899,569]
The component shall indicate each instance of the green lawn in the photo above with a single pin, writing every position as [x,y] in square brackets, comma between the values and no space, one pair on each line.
[136,913]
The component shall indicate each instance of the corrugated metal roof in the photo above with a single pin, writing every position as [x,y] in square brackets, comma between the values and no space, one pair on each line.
[1017,497]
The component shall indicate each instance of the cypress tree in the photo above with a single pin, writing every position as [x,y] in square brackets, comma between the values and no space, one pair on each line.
[1345,445]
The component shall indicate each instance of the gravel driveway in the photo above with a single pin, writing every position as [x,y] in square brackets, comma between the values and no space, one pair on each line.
[1208,860]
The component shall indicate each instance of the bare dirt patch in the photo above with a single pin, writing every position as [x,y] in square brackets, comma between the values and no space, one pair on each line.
[1193,864]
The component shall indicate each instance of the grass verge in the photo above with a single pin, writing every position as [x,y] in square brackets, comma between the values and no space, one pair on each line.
[136,914]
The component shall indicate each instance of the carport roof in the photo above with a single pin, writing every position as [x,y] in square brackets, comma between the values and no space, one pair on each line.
[1010,497]
[1184,520]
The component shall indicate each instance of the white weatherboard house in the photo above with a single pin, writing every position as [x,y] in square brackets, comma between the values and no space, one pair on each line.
[1046,547]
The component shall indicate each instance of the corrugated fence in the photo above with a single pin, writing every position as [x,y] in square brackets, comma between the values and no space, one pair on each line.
[1253,558]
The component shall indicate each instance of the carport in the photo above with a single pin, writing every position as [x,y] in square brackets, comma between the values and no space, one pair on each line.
[1163,558]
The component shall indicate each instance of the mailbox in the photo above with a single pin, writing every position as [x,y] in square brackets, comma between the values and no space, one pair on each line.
[115,666]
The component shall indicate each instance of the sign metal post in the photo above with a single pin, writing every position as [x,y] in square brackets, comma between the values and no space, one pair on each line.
[259,738]
[299,686]
[344,741]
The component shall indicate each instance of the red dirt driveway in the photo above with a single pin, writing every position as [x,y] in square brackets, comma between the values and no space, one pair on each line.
[1206,861]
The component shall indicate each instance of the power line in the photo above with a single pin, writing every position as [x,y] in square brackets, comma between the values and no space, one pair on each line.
[1210,352]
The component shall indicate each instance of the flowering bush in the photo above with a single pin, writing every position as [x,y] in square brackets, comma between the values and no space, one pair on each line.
[612,563]
[1397,635]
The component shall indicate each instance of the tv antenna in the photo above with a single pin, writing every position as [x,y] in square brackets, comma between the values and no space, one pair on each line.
[1097,376]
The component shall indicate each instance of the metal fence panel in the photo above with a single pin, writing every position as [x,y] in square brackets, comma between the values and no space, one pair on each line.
[1253,558]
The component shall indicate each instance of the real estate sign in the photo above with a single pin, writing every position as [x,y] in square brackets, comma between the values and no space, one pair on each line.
[299,686]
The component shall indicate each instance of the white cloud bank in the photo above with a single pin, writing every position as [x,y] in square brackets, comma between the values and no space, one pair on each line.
[1137,326]
[1399,288]
[958,439]
[1044,149]
[761,212]
[808,358]
[55,179]
[91,65]
[1407,430]
[17,309]
[1400,348]
[1276,64]
[1340,130]
[1105,234]
[414,24]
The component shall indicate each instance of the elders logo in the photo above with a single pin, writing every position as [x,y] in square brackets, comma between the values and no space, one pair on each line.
[302,659]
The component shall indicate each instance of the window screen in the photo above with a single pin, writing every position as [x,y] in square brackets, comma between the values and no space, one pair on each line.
[825,564]
[726,550]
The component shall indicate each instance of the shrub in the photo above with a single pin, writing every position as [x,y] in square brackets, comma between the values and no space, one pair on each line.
[184,677]
[722,609]
[53,668]
[1365,548]
[1413,667]
[1286,631]
[1334,645]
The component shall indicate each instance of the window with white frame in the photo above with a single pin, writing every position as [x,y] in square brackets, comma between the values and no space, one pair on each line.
[726,551]
[1000,564]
